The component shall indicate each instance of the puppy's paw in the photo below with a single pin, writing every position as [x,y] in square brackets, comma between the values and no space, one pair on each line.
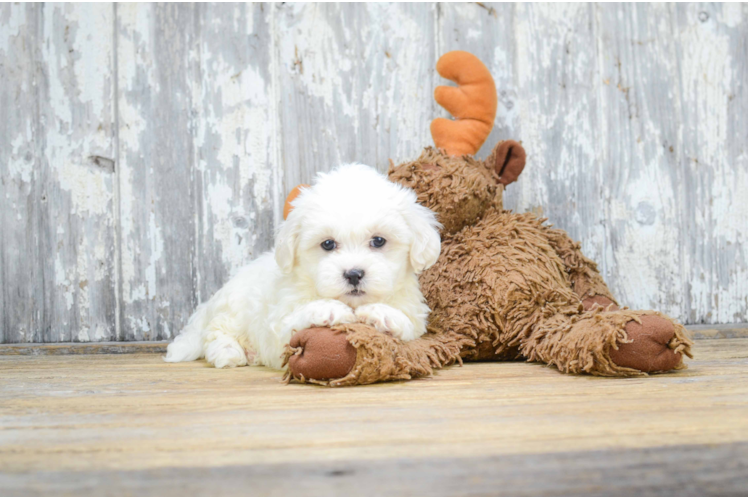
[330,313]
[387,319]
[320,313]
[225,352]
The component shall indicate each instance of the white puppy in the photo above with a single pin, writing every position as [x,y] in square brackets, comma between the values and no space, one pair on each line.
[349,252]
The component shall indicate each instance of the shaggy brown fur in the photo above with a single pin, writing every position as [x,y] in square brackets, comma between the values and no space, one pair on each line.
[380,358]
[458,189]
[505,286]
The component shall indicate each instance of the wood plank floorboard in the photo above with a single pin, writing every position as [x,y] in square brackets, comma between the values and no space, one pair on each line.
[131,424]
[698,332]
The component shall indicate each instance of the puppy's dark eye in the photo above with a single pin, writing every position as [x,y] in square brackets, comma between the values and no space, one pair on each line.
[377,242]
[329,245]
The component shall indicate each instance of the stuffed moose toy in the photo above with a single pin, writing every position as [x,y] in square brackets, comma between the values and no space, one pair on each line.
[506,286]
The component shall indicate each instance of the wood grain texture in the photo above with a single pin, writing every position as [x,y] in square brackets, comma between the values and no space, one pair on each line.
[157,63]
[101,416]
[58,224]
[76,348]
[146,150]
[697,332]
[712,52]
[237,186]
[21,277]
[680,470]
[356,83]
[197,176]
[639,138]
[557,57]
[737,330]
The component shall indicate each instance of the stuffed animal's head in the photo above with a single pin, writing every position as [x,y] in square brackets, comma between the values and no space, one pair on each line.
[448,179]
[460,189]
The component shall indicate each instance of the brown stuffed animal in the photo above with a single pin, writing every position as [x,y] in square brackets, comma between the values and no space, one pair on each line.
[506,286]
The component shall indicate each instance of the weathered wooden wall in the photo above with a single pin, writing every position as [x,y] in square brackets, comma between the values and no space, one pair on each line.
[145,150]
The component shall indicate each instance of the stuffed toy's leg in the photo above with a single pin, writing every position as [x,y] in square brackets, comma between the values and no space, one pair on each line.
[653,343]
[585,278]
[357,354]
[608,343]
[597,342]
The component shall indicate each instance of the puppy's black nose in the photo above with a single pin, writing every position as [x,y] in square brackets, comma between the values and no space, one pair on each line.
[354,276]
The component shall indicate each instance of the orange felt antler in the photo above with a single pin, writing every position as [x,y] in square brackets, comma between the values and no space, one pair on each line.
[473,103]
[287,206]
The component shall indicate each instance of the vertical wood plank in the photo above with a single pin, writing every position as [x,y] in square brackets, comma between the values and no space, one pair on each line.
[557,72]
[157,65]
[235,141]
[711,47]
[79,149]
[486,30]
[65,146]
[21,281]
[356,82]
[640,144]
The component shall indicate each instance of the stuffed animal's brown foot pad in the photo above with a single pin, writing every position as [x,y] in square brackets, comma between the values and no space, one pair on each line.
[649,350]
[322,354]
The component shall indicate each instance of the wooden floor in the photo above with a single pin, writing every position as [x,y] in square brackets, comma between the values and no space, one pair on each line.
[131,424]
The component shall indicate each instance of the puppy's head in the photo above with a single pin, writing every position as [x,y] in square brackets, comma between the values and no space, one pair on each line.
[357,237]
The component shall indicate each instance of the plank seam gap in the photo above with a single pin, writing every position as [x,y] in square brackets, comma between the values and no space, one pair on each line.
[681,201]
[600,170]
[117,193]
[198,179]
[276,122]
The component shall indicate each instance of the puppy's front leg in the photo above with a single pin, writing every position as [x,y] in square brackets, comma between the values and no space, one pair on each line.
[319,313]
[387,319]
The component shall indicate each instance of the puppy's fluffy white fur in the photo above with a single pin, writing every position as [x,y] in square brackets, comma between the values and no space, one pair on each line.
[302,284]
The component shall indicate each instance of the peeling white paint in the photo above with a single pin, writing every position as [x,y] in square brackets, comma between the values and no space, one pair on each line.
[67,199]
[91,26]
[13,26]
[63,282]
[134,60]
[135,126]
[88,192]
[316,58]
[732,14]
[21,162]
[706,71]
[632,117]
[156,254]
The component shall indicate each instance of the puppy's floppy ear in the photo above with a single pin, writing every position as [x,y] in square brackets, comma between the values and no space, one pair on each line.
[286,242]
[426,245]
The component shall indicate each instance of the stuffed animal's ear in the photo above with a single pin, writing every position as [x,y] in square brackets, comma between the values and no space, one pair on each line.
[507,160]
[426,244]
